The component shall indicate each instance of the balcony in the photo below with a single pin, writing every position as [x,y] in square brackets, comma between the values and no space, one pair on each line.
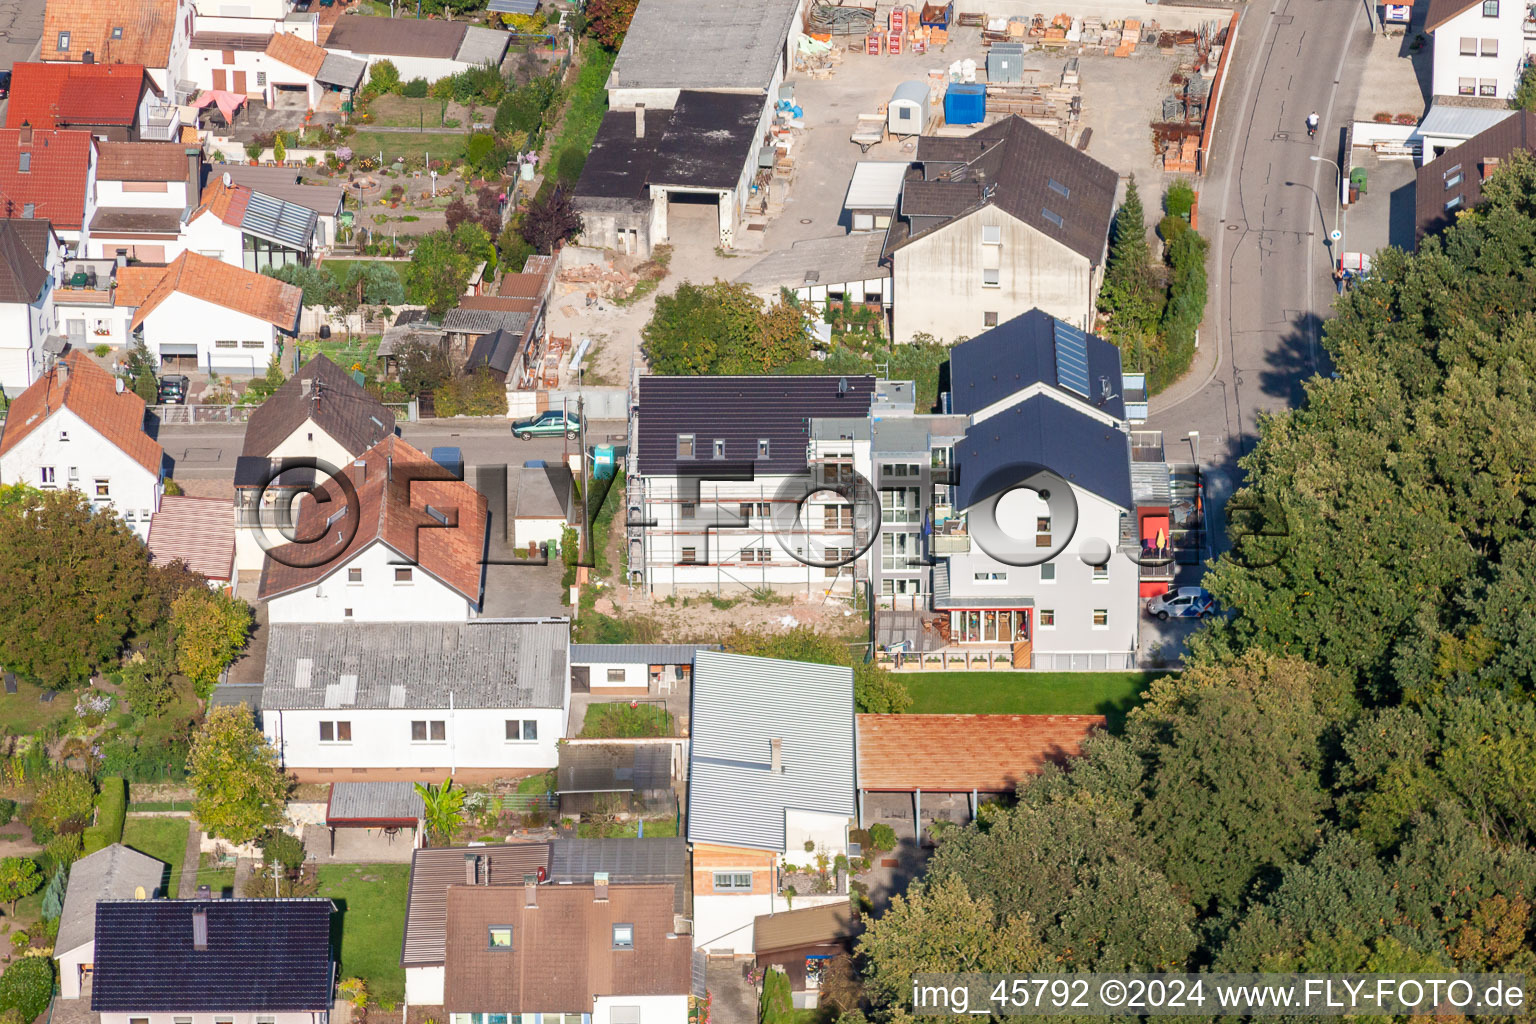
[85,283]
[1135,390]
[950,537]
[161,123]
[1147,446]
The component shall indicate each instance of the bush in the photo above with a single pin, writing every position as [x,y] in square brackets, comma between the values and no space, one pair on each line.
[569,164]
[140,761]
[775,1005]
[383,77]
[415,89]
[1179,200]
[1185,253]
[27,987]
[284,848]
[111,813]
[882,837]
[7,811]
[480,152]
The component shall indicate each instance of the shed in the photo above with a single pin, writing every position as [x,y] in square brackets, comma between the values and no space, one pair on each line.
[1005,63]
[908,110]
[873,192]
[965,103]
[802,942]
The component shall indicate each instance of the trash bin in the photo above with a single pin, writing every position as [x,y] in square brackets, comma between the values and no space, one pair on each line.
[1357,179]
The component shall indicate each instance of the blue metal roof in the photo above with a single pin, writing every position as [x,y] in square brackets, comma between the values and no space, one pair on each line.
[1043,432]
[1027,350]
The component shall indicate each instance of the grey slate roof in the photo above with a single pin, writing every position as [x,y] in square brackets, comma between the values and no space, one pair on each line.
[346,72]
[703,44]
[637,654]
[482,46]
[627,861]
[739,411]
[496,351]
[1001,362]
[108,874]
[1043,432]
[484,321]
[739,705]
[373,801]
[486,663]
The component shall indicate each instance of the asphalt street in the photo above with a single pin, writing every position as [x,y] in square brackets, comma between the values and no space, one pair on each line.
[1268,210]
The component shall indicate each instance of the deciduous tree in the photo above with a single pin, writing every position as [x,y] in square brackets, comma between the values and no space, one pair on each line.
[239,788]
[550,220]
[211,629]
[18,877]
[608,20]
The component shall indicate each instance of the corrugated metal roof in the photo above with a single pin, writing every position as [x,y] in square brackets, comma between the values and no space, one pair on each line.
[875,185]
[637,654]
[1149,483]
[1460,122]
[911,92]
[433,871]
[108,874]
[373,801]
[345,72]
[513,6]
[627,862]
[279,221]
[484,321]
[739,705]
[614,767]
[486,664]
[482,46]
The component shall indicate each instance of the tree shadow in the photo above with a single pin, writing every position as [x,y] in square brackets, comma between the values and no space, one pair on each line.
[1289,365]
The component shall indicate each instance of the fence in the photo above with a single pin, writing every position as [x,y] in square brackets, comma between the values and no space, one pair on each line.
[192,415]
[600,403]
[998,660]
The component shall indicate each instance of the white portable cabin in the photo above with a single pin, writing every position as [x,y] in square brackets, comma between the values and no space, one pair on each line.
[908,110]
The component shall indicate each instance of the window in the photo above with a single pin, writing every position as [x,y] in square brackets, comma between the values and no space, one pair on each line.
[24,163]
[64,41]
[1101,618]
[253,343]
[1490,47]
[403,575]
[897,550]
[991,577]
[1048,572]
[74,473]
[1490,9]
[1059,188]
[1043,532]
[103,488]
[1047,618]
[624,1015]
[138,1020]
[335,732]
[230,343]
[1101,573]
[354,575]
[1487,86]
[188,1020]
[623,936]
[991,278]
[733,881]
[991,234]
[689,556]
[1054,218]
[690,509]
[524,731]
[719,448]
[346,613]
[899,505]
[47,474]
[1466,86]
[989,319]
[616,675]
[29,210]
[685,446]
[1468,46]
[1454,177]
[117,31]
[261,79]
[837,517]
[762,448]
[499,937]
[429,732]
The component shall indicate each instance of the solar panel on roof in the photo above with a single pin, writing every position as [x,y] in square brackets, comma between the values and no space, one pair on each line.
[1071,358]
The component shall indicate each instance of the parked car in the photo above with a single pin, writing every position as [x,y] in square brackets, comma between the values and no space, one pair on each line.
[548,424]
[173,389]
[1182,603]
[5,84]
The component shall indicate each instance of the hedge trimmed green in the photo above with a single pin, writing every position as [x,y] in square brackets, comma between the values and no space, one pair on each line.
[111,815]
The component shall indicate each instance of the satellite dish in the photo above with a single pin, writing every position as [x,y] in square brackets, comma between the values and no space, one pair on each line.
[139,893]
[228,180]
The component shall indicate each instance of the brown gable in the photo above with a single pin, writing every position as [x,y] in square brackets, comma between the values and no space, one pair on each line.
[562,953]
[123,32]
[1453,182]
[141,161]
[90,393]
[400,489]
[325,393]
[296,53]
[23,258]
[224,284]
[961,753]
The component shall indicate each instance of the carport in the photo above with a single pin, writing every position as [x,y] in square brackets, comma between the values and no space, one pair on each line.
[386,806]
[917,769]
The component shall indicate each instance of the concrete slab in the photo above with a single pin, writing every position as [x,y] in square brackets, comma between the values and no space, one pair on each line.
[1396,77]
[1384,215]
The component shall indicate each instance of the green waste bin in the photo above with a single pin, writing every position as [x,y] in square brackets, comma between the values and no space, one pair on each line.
[1357,179]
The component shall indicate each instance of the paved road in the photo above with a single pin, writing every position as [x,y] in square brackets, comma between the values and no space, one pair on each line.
[208,451]
[1268,210]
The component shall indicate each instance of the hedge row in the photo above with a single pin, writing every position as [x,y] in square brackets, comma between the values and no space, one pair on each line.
[1185,309]
[111,815]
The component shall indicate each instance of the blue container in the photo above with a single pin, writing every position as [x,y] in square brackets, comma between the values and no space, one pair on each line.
[603,462]
[451,459]
[965,103]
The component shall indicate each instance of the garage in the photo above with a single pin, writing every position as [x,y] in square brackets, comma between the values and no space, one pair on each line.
[180,358]
[693,218]
[290,97]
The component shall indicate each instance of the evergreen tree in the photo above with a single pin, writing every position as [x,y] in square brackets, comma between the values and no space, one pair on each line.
[1129,293]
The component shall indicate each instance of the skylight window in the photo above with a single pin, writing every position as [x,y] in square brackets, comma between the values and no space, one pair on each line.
[64,42]
[1059,188]
[1054,218]
[24,164]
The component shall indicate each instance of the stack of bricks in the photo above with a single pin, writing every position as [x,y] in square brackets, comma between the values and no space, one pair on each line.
[1131,36]
[1182,156]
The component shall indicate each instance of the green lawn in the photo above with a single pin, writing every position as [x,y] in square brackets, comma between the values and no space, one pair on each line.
[620,721]
[162,838]
[1111,694]
[404,112]
[655,828]
[578,128]
[360,351]
[22,714]
[370,900]
[411,145]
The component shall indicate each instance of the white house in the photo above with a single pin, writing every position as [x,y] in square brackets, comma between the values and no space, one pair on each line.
[205,314]
[50,175]
[623,670]
[277,66]
[771,784]
[1479,48]
[395,540]
[418,49]
[417,700]
[29,258]
[113,873]
[154,33]
[1002,221]
[250,229]
[77,427]
[143,192]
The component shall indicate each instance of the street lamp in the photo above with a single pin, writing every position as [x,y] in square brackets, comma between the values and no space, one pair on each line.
[1338,193]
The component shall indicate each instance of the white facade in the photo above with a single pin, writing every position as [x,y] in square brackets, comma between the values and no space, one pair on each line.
[364,589]
[66,451]
[1478,53]
[985,269]
[233,1017]
[671,1009]
[22,330]
[424,986]
[381,738]
[723,923]
[430,68]
[209,236]
[307,441]
[91,324]
[251,73]
[70,961]
[827,833]
[226,340]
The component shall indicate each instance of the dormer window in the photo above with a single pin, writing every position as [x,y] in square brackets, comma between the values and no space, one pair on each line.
[499,936]
[63,42]
[623,936]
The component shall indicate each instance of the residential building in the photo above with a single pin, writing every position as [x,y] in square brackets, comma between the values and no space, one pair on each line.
[1447,126]
[159,961]
[1453,182]
[909,456]
[843,270]
[76,426]
[113,873]
[277,67]
[417,49]
[717,470]
[605,952]
[417,700]
[632,669]
[918,769]
[991,225]
[113,102]
[285,184]
[199,533]
[143,192]
[250,229]
[240,317]
[402,542]
[29,258]
[151,33]
[50,175]
[95,299]
[771,776]
[1480,48]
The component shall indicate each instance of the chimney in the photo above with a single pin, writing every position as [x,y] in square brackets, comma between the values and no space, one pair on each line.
[600,887]
[639,120]
[360,474]
[200,928]
[1490,164]
[205,892]
[25,136]
[531,890]
[776,756]
[63,374]
[306,386]
[88,57]
[194,176]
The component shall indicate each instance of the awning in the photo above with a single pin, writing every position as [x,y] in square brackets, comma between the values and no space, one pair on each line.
[228,102]
[178,350]
[373,805]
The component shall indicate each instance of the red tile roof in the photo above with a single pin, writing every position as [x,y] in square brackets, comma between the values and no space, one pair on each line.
[56,179]
[134,283]
[227,285]
[198,531]
[90,393]
[296,53]
[144,28]
[400,483]
[47,95]
[960,753]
